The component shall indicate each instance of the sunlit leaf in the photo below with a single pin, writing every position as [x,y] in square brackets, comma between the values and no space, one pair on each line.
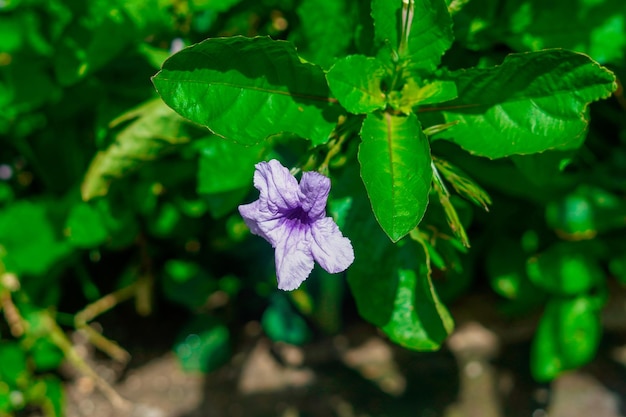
[396,170]
[531,103]
[215,82]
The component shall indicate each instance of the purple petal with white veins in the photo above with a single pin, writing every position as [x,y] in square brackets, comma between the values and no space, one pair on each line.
[315,188]
[294,261]
[279,189]
[330,248]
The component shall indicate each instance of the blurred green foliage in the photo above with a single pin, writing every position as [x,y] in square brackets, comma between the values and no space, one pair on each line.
[104,188]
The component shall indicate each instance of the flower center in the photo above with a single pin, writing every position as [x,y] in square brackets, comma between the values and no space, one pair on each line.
[298,214]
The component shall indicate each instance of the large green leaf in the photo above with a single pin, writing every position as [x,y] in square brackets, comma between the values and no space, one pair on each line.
[595,28]
[396,170]
[356,82]
[428,30]
[156,129]
[390,282]
[531,103]
[246,89]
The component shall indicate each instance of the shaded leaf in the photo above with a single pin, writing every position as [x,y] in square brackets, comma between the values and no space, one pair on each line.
[585,212]
[419,320]
[84,226]
[203,345]
[326,29]
[594,28]
[567,337]
[155,131]
[226,166]
[30,242]
[282,323]
[564,269]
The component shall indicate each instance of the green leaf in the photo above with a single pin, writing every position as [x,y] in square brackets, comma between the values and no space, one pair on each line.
[30,242]
[155,130]
[214,5]
[371,275]
[531,103]
[564,269]
[93,39]
[396,170]
[53,399]
[506,269]
[187,284]
[413,94]
[427,29]
[585,212]
[543,168]
[390,282]
[356,82]
[227,166]
[203,345]
[594,28]
[85,227]
[567,337]
[282,323]
[325,30]
[14,370]
[46,355]
[419,320]
[247,89]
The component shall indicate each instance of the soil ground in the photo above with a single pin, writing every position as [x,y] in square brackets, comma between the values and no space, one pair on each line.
[481,372]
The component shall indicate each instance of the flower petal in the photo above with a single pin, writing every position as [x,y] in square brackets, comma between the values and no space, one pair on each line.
[294,261]
[279,189]
[315,188]
[261,222]
[329,247]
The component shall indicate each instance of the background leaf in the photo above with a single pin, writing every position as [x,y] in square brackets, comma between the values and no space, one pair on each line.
[258,77]
[533,102]
[564,269]
[326,29]
[429,37]
[155,130]
[594,28]
[567,337]
[396,170]
[226,166]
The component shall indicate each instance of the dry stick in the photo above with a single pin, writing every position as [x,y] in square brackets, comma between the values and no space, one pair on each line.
[59,339]
[11,314]
[95,309]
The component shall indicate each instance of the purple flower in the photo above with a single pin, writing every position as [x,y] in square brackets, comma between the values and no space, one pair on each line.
[292,217]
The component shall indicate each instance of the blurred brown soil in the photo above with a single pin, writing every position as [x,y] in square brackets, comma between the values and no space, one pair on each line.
[481,372]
